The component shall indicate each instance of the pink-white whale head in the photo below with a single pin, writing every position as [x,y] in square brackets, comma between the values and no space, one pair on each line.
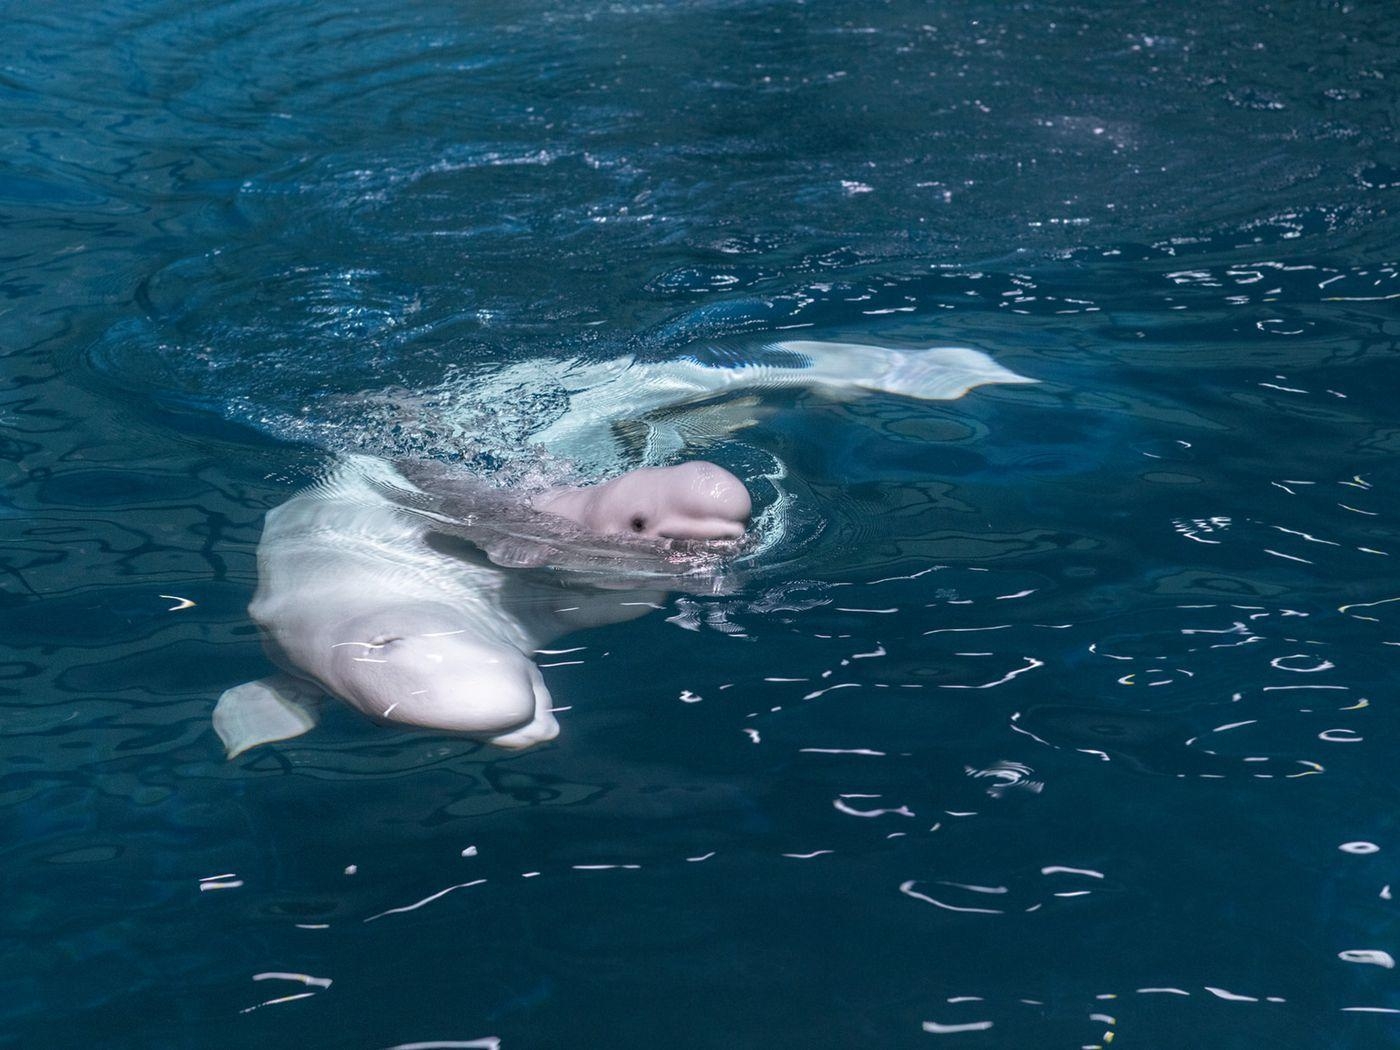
[691,501]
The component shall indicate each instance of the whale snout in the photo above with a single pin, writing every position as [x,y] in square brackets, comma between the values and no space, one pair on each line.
[709,503]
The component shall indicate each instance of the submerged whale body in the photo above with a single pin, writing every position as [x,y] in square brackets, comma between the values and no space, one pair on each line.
[402,591]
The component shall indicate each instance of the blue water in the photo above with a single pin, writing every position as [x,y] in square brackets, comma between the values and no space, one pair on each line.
[1064,716]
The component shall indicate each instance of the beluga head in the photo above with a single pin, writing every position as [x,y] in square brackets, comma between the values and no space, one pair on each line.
[691,501]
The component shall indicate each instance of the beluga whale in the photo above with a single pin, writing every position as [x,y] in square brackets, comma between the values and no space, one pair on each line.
[420,596]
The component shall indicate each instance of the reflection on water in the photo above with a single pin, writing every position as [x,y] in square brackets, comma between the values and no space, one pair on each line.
[1055,715]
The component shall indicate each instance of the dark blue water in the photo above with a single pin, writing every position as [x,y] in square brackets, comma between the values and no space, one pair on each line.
[1066,718]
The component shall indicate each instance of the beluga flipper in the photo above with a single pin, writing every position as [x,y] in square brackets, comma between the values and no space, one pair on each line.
[278,707]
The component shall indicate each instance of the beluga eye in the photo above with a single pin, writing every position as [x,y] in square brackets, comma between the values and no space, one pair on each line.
[639,523]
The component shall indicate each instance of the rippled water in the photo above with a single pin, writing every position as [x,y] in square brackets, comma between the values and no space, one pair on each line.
[1060,717]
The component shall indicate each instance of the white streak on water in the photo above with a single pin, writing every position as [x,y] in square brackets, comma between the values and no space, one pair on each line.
[974,889]
[901,811]
[915,576]
[907,888]
[426,900]
[1368,956]
[306,979]
[842,685]
[274,1002]
[1094,648]
[1366,605]
[1304,535]
[1031,664]
[1290,557]
[1221,993]
[948,1029]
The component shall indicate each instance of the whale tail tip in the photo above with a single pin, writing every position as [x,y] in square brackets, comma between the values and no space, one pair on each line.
[939,373]
[935,373]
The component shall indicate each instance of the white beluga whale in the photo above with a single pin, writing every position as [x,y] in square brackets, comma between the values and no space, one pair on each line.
[366,592]
[405,591]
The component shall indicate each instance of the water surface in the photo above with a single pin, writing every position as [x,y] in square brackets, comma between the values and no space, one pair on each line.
[1064,711]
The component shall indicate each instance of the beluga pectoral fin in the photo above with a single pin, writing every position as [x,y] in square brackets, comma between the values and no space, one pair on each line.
[276,708]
